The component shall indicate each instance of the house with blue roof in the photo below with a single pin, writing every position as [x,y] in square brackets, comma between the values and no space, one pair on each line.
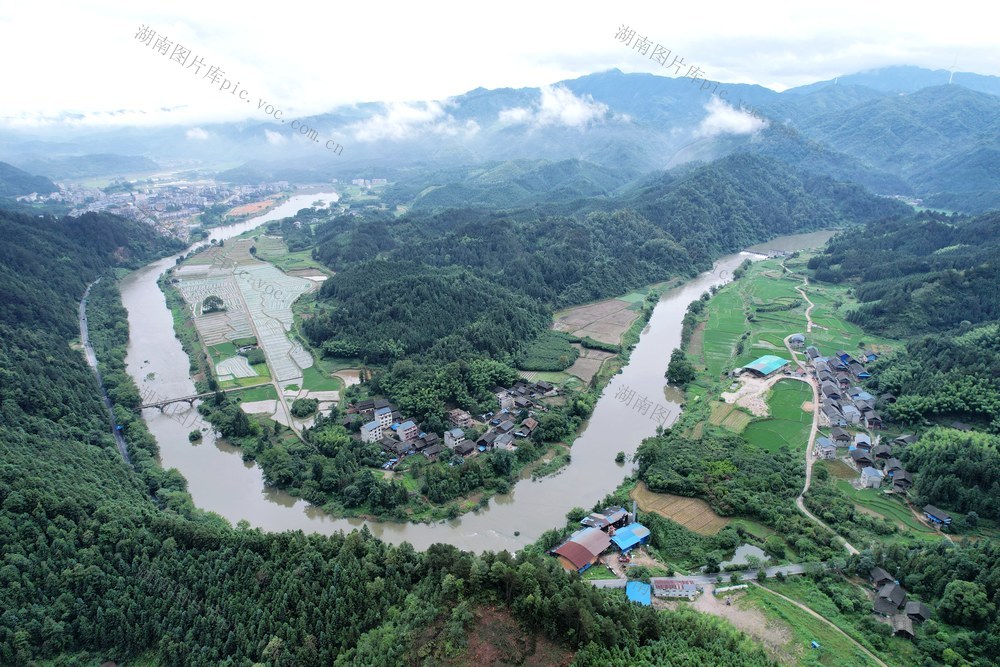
[636,591]
[766,366]
[408,431]
[384,416]
[630,536]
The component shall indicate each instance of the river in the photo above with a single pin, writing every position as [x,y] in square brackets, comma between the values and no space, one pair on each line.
[219,480]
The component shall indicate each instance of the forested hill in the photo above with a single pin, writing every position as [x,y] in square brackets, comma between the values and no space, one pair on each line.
[922,274]
[482,264]
[93,570]
[50,260]
[14,182]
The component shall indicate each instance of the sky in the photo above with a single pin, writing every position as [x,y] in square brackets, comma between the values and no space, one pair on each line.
[80,64]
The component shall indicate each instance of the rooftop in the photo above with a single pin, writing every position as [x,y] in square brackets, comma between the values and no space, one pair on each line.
[767,364]
[636,591]
[630,536]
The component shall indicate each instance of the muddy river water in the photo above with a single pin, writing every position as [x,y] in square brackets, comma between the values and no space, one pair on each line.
[219,480]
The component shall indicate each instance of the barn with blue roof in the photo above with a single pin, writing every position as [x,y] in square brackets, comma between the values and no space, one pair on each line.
[630,536]
[766,366]
[636,591]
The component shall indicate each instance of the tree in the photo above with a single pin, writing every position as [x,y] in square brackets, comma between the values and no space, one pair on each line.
[966,603]
[680,371]
[212,303]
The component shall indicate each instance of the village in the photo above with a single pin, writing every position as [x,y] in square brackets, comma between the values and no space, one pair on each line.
[496,430]
[611,542]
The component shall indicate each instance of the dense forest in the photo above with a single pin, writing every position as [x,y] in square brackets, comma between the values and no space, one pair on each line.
[922,274]
[958,470]
[95,567]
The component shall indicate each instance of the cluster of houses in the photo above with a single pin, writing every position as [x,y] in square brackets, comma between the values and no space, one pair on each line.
[843,402]
[847,405]
[875,463]
[890,601]
[396,435]
[399,436]
[613,525]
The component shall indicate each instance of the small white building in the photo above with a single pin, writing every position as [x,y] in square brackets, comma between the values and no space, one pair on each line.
[371,432]
[673,588]
[453,437]
[384,417]
[825,448]
[871,478]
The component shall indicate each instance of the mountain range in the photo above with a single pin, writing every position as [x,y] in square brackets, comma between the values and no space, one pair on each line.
[898,131]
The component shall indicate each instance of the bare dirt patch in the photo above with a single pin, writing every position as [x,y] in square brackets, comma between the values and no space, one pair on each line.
[496,638]
[749,619]
[751,394]
[692,513]
[588,364]
[605,321]
[250,209]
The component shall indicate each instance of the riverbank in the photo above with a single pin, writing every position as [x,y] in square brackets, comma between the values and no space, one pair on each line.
[220,481]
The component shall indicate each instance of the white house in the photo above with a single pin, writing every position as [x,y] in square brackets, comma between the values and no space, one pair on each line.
[453,437]
[371,432]
[871,478]
[384,417]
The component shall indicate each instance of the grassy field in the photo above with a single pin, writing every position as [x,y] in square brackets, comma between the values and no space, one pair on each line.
[888,506]
[835,648]
[315,379]
[804,590]
[729,416]
[763,294]
[788,425]
[598,571]
[264,392]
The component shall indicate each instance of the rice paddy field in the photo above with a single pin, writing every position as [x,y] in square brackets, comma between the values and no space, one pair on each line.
[257,299]
[768,294]
[788,425]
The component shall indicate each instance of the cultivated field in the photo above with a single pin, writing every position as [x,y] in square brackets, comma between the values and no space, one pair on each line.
[764,292]
[257,298]
[729,416]
[692,513]
[588,363]
[604,321]
[788,425]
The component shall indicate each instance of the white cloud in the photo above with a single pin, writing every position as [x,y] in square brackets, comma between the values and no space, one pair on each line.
[557,106]
[725,119]
[197,134]
[275,138]
[404,120]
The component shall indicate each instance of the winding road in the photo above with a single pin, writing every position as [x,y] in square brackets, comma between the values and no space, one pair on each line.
[810,459]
